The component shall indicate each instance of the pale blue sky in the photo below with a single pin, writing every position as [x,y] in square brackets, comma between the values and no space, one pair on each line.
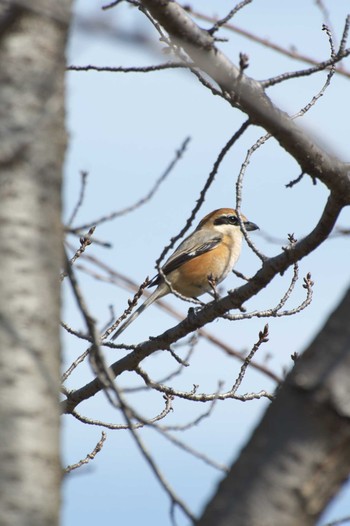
[124,130]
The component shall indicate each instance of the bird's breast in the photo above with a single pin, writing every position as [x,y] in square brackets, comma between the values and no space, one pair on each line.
[191,278]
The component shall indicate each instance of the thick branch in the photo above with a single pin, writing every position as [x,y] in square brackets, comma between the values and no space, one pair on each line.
[32,148]
[235,299]
[288,473]
[250,97]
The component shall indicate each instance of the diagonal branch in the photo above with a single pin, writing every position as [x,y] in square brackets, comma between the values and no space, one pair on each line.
[288,473]
[249,95]
[210,312]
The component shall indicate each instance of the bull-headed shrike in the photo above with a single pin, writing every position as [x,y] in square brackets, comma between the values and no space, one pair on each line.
[204,258]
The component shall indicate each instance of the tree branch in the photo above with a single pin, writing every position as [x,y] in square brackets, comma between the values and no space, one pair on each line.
[250,97]
[288,473]
[211,311]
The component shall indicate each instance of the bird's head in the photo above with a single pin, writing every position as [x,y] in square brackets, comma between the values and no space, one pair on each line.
[223,219]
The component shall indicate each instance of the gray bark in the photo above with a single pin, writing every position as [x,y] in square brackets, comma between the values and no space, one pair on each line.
[32,146]
[313,160]
[251,98]
[299,455]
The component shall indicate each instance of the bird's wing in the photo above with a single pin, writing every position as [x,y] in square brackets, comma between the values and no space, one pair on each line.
[190,248]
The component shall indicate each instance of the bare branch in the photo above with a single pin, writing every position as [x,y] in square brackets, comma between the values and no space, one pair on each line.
[263,338]
[74,332]
[85,241]
[94,352]
[235,299]
[192,451]
[75,364]
[345,35]
[84,176]
[219,23]
[175,499]
[142,422]
[126,282]
[201,397]
[326,64]
[205,189]
[113,215]
[131,305]
[289,52]
[251,97]
[117,2]
[133,69]
[293,466]
[195,421]
[275,312]
[325,13]
[89,456]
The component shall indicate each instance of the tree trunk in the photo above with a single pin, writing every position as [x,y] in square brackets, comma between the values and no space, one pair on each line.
[32,146]
[299,455]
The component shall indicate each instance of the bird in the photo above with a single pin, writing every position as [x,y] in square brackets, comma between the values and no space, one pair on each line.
[202,260]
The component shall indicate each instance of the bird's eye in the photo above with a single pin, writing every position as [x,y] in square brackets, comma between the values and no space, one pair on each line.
[233,220]
[226,220]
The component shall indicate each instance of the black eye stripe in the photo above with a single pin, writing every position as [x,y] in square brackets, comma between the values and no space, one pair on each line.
[226,220]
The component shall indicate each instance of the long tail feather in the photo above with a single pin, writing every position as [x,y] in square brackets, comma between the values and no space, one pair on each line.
[158,293]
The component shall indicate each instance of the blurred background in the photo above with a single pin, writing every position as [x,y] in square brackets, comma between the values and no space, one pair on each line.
[124,130]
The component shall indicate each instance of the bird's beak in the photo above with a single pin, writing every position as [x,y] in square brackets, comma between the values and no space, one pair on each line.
[250,226]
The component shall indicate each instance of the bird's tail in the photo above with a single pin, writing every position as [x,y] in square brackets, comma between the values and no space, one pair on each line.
[158,293]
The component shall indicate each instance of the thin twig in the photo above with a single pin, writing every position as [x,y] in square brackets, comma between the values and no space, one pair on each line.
[325,13]
[175,499]
[133,69]
[192,451]
[94,352]
[201,397]
[198,419]
[117,2]
[266,137]
[141,423]
[74,365]
[263,277]
[263,338]
[329,63]
[326,64]
[275,312]
[128,284]
[83,176]
[113,215]
[289,52]
[85,241]
[89,456]
[219,23]
[205,189]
